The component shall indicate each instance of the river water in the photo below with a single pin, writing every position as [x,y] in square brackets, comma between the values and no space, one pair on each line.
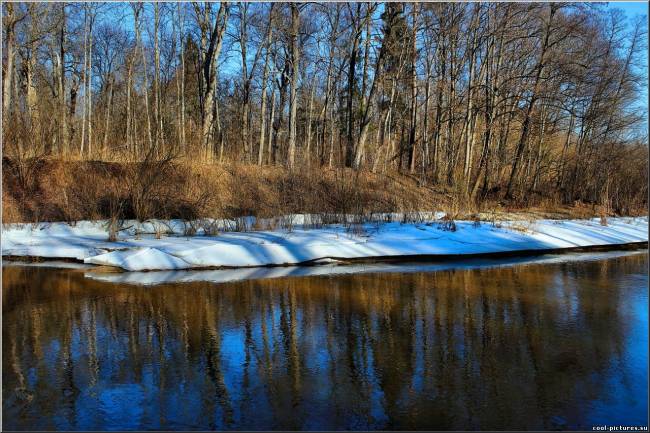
[529,346]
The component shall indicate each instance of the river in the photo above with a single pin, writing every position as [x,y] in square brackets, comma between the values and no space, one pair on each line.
[559,345]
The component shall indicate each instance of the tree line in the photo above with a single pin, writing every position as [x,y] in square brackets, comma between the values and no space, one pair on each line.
[509,99]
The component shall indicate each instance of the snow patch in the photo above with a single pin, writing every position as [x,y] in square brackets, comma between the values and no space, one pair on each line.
[139,259]
[136,250]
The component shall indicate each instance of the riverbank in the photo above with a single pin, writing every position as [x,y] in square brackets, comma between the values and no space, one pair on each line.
[143,247]
[49,189]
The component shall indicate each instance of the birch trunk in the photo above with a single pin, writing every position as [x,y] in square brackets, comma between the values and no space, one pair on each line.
[181,20]
[85,78]
[265,78]
[109,107]
[156,77]
[293,102]
[309,121]
[136,12]
[10,38]
[414,90]
[90,92]
[271,146]
[210,73]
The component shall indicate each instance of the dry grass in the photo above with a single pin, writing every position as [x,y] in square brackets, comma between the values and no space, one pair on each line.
[53,190]
[75,190]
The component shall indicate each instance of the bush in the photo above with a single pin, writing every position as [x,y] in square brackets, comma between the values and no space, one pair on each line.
[447,223]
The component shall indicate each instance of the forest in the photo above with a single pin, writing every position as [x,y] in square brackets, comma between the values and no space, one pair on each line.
[189,110]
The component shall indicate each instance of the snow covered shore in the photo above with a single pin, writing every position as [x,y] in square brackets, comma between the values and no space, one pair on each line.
[136,251]
[151,278]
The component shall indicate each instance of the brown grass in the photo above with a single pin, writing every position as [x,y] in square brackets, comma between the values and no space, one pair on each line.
[54,190]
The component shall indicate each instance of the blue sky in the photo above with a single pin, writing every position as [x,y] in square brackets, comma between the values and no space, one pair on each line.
[632,9]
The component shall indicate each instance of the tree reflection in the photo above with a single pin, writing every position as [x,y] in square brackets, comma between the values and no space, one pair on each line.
[518,347]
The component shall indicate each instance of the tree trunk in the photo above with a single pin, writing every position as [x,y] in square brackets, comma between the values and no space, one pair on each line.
[414,90]
[309,121]
[260,153]
[129,79]
[61,84]
[90,91]
[523,138]
[85,79]
[279,123]
[272,131]
[469,115]
[439,105]
[181,21]
[210,73]
[265,77]
[350,148]
[8,75]
[136,12]
[156,77]
[368,103]
[425,127]
[32,100]
[243,7]
[293,103]
[109,106]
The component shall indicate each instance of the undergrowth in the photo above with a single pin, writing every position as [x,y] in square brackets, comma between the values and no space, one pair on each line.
[248,197]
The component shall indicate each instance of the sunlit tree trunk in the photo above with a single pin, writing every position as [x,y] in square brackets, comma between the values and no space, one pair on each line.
[265,78]
[156,78]
[210,73]
[137,9]
[293,100]
[414,88]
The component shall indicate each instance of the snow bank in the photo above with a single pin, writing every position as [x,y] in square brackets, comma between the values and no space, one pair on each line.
[135,251]
[241,274]
[138,259]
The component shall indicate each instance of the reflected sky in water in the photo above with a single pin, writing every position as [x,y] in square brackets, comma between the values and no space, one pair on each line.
[530,346]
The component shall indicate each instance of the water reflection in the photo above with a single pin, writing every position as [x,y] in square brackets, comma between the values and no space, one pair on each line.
[530,347]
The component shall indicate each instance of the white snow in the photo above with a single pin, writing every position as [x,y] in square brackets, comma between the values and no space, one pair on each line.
[241,274]
[138,259]
[137,249]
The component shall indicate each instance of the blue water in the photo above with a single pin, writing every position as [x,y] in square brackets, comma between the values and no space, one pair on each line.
[545,345]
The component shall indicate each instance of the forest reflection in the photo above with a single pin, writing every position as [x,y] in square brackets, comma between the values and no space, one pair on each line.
[525,347]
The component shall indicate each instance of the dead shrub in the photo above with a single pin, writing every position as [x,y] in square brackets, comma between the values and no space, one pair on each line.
[166,188]
[209,226]
[313,221]
[447,224]
[476,220]
[190,227]
[11,212]
[21,180]
[603,220]
[151,193]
